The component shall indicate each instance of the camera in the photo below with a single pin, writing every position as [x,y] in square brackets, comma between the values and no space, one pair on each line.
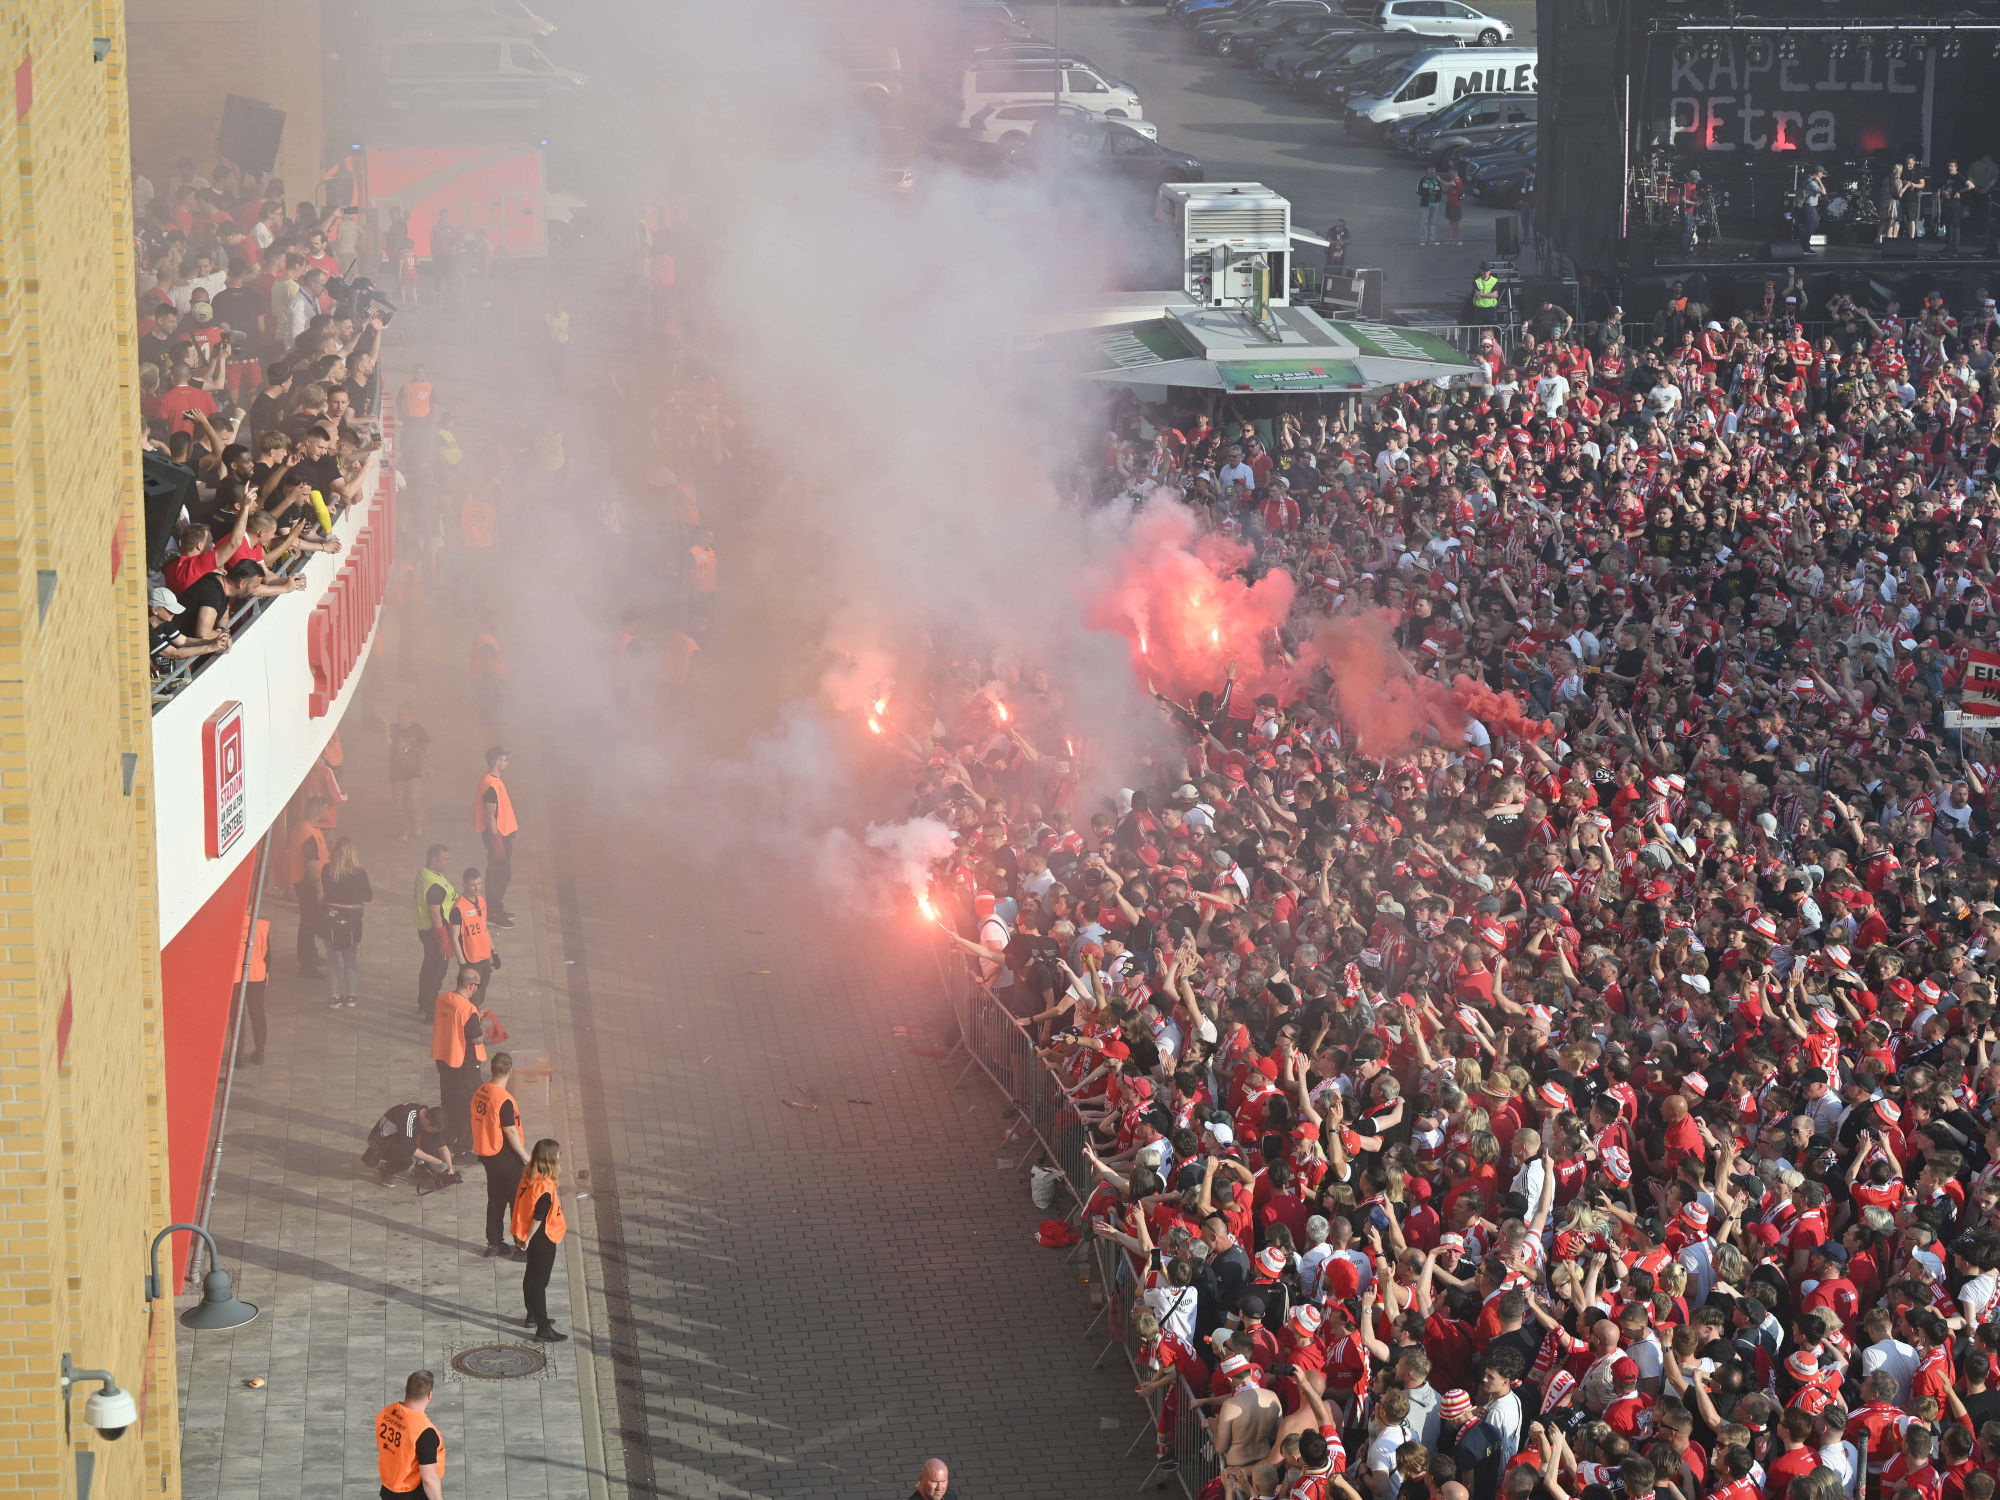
[361,294]
[111,1412]
[429,1178]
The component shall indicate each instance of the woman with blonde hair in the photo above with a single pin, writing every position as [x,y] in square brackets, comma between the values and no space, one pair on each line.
[346,891]
[539,1225]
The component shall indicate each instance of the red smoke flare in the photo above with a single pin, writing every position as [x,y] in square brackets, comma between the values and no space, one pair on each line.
[1501,713]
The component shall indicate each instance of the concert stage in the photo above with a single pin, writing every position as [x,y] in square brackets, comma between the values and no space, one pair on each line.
[1746,127]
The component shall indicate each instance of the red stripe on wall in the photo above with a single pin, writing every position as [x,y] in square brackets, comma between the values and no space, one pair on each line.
[197,982]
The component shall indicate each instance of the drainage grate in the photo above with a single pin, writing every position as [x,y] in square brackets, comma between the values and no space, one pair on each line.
[500,1362]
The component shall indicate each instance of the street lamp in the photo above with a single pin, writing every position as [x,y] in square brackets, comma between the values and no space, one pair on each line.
[219,1307]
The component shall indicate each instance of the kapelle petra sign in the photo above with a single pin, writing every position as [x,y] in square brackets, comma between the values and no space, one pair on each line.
[223,785]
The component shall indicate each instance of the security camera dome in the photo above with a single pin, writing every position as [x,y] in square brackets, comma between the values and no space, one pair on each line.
[111,1412]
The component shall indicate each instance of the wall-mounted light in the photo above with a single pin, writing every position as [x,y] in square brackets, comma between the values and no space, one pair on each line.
[219,1308]
[100,48]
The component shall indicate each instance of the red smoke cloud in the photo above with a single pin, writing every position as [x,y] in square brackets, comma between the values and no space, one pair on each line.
[1501,713]
[1178,597]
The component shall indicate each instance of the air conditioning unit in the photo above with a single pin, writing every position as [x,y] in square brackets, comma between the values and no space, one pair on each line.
[1229,232]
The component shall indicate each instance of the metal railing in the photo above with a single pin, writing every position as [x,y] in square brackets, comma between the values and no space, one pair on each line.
[995,1042]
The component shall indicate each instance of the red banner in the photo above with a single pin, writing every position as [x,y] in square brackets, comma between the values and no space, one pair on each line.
[1980,698]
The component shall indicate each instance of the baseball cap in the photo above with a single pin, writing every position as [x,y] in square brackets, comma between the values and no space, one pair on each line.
[1623,1369]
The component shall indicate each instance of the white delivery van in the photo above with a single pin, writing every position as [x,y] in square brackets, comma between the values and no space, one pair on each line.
[1011,82]
[1429,81]
[477,72]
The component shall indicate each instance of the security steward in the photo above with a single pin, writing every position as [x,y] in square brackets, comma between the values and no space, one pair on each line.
[458,1047]
[502,1150]
[1485,295]
[539,1225]
[493,817]
[409,1450]
[435,898]
[472,941]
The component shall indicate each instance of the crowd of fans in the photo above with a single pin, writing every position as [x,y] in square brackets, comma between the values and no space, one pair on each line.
[258,353]
[1607,1113]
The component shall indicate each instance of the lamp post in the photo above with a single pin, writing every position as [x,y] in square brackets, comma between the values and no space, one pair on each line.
[1056,101]
[219,1308]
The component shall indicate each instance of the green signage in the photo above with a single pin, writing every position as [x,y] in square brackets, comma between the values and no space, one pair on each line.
[1290,375]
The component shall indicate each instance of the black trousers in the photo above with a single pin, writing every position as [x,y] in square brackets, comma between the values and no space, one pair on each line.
[312,924]
[430,978]
[485,968]
[499,870]
[503,1176]
[456,1086]
[535,1280]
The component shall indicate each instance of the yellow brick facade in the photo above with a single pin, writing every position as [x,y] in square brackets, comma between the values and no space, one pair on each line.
[82,1139]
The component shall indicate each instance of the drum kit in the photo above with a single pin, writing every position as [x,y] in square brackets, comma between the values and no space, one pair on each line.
[1659,193]
[1851,200]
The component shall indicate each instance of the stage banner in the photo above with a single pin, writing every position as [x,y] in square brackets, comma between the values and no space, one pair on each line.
[1742,96]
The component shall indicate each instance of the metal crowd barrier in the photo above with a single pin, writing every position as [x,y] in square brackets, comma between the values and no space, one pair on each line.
[996,1043]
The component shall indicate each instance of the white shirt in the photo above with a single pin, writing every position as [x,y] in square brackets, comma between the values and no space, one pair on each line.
[1552,391]
[1696,1257]
[1839,1457]
[1312,1269]
[1896,1357]
[1174,1307]
[1505,1417]
[1237,473]
[1528,1181]
[1382,1453]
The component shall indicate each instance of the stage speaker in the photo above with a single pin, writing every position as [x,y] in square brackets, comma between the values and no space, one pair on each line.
[1784,250]
[1506,236]
[170,495]
[249,134]
[1368,287]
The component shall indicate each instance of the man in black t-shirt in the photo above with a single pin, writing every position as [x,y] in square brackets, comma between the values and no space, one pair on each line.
[267,408]
[407,1133]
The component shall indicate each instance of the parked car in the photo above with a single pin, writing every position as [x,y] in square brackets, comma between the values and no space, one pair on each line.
[1476,120]
[1291,34]
[1192,11]
[475,72]
[1228,36]
[1222,35]
[1280,61]
[1346,59]
[1431,80]
[1495,173]
[1444,18]
[1031,82]
[1004,129]
[1367,78]
[1110,149]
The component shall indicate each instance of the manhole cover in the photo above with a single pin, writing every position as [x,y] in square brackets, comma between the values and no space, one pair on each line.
[499,1362]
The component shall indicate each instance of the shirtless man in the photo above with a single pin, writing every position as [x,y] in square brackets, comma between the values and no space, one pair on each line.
[1243,1430]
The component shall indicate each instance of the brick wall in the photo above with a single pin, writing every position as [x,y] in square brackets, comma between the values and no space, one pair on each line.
[187,58]
[82,1148]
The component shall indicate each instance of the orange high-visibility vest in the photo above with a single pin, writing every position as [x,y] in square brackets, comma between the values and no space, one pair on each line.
[397,1429]
[678,658]
[475,523]
[488,1139]
[503,817]
[472,934]
[250,956]
[533,1185]
[416,398]
[482,666]
[448,1030]
[704,568]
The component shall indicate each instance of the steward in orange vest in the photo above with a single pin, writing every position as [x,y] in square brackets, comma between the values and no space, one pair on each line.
[409,1450]
[303,871]
[458,1049]
[470,934]
[539,1224]
[493,818]
[498,1140]
[252,949]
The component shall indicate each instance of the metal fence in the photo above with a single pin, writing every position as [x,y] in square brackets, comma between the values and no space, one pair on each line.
[995,1042]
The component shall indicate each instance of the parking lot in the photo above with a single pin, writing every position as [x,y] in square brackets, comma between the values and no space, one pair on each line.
[1245,130]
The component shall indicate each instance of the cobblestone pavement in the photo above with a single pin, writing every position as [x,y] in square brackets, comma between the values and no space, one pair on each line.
[816,1298]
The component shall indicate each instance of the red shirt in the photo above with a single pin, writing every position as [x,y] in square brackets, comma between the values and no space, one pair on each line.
[185,571]
[177,401]
[1787,1467]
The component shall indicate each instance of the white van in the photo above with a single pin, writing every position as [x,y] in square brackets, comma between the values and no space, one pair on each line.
[1015,81]
[1429,81]
[489,72]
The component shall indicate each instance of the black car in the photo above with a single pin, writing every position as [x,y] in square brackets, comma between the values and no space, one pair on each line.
[1281,61]
[1495,174]
[1469,124]
[1358,54]
[1221,33]
[1108,149]
[1290,36]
